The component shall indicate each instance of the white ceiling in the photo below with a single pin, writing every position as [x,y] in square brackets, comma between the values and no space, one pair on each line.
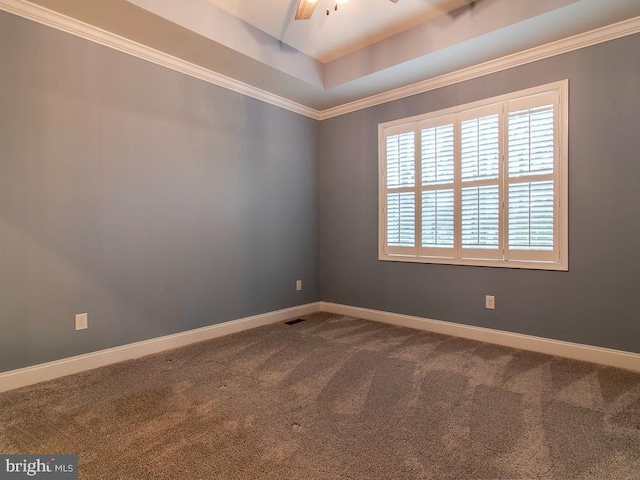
[355,25]
[364,49]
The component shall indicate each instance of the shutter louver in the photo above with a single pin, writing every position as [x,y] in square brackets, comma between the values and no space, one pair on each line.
[480,148]
[481,217]
[480,192]
[531,193]
[438,219]
[401,198]
[401,212]
[531,141]
[437,155]
[401,160]
[531,216]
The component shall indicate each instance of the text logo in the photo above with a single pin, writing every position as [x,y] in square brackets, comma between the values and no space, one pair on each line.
[49,467]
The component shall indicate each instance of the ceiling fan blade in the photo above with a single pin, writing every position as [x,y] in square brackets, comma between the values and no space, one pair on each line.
[394,1]
[305,10]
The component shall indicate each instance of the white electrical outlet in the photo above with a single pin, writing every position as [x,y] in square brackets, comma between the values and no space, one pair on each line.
[490,302]
[82,321]
[298,285]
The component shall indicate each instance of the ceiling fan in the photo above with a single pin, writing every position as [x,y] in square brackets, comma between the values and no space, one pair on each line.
[306,8]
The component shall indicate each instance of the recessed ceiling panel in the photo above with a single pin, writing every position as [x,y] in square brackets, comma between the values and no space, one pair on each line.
[354,25]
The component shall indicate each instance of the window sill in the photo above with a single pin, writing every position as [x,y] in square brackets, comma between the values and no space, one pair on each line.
[475,262]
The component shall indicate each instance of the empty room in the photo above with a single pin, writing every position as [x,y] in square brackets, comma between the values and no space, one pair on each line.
[331,239]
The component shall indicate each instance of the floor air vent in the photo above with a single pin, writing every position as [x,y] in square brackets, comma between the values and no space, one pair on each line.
[293,322]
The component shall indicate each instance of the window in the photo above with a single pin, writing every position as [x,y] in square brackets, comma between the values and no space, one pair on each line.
[479,184]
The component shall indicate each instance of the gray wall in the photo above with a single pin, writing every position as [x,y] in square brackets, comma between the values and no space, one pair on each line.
[153,201]
[596,302]
[158,203]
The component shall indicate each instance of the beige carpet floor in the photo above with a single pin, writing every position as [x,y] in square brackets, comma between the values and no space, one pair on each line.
[335,398]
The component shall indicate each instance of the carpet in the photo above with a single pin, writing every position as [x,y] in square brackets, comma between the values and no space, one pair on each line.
[335,397]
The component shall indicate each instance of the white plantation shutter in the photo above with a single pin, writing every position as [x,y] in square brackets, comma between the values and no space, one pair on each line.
[437,158]
[479,184]
[480,140]
[481,218]
[531,138]
[400,146]
[401,214]
[531,216]
[531,166]
[438,219]
[437,153]
[401,160]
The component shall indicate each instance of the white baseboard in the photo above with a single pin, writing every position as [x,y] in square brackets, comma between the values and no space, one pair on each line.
[59,368]
[576,351]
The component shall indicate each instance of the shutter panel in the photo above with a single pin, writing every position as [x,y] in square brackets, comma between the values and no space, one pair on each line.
[481,217]
[401,215]
[531,223]
[531,166]
[531,141]
[400,193]
[480,148]
[480,193]
[438,219]
[401,160]
[437,155]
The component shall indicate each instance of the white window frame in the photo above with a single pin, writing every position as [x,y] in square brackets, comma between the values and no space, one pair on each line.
[557,259]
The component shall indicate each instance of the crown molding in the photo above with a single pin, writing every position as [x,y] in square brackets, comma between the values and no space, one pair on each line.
[569,44]
[94,34]
[80,29]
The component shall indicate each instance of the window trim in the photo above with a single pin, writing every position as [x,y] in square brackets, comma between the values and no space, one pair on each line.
[560,177]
